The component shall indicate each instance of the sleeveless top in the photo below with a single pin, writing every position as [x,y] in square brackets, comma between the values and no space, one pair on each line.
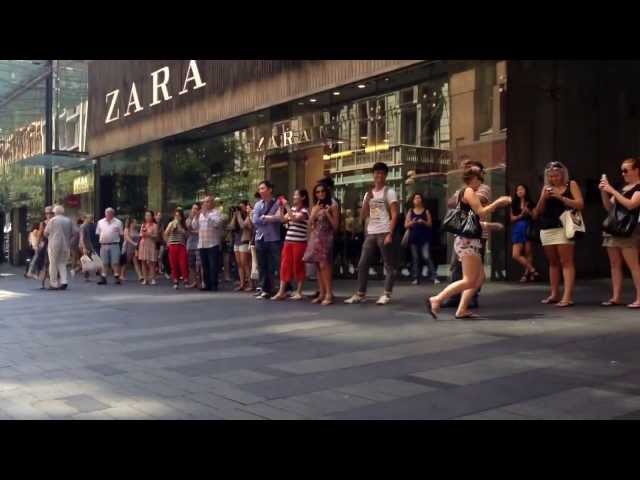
[554,208]
[419,234]
[298,230]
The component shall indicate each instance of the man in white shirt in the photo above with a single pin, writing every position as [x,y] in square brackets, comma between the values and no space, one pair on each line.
[380,206]
[207,224]
[109,231]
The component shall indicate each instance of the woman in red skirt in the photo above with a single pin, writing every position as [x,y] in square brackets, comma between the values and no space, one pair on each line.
[295,244]
[176,234]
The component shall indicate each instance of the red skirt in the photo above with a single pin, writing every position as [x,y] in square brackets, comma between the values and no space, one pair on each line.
[291,265]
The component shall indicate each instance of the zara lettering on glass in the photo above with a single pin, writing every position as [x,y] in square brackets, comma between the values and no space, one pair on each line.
[160,91]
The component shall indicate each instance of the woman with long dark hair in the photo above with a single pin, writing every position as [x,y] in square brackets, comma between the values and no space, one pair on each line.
[242,231]
[522,250]
[419,222]
[323,220]
[147,249]
[176,235]
[129,248]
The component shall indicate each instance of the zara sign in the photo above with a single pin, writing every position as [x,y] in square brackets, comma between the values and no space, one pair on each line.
[159,90]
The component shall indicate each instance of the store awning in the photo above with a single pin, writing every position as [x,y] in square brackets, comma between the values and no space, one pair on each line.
[55,161]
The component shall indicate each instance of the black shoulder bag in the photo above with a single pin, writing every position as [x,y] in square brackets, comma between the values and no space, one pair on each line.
[462,222]
[621,222]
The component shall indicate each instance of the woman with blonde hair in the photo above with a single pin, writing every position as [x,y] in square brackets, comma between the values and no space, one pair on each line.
[618,236]
[558,194]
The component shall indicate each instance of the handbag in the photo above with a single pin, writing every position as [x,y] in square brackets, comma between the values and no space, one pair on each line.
[533,232]
[573,223]
[462,222]
[621,222]
[91,264]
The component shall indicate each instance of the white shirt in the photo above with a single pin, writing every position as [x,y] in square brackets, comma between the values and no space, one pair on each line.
[379,219]
[109,232]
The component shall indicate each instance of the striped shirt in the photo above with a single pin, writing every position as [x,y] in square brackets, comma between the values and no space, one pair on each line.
[178,236]
[298,230]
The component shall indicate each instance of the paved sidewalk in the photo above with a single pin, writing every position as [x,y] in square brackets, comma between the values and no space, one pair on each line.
[133,352]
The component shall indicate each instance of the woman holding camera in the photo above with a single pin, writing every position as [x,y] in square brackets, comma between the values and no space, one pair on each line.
[176,235]
[623,249]
[559,193]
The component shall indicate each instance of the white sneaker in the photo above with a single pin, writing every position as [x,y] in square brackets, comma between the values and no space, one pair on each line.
[383,300]
[352,270]
[355,298]
[425,271]
[406,272]
[153,282]
[415,282]
[372,272]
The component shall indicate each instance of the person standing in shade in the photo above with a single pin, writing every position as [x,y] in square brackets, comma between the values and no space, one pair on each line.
[208,226]
[623,250]
[267,238]
[295,243]
[242,236]
[88,242]
[323,222]
[109,231]
[129,249]
[176,235]
[558,194]
[419,223]
[147,248]
[75,246]
[380,206]
[521,208]
[58,231]
[195,265]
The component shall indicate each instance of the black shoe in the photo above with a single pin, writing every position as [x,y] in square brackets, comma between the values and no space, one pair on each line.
[118,281]
[103,281]
[64,286]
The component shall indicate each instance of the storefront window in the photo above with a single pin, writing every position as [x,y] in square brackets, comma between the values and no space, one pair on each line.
[421,122]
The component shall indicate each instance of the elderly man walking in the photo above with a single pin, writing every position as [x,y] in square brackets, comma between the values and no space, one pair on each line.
[58,231]
[109,230]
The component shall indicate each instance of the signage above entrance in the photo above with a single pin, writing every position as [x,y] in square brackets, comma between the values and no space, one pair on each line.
[159,91]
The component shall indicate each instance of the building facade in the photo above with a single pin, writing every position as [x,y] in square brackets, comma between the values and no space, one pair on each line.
[165,133]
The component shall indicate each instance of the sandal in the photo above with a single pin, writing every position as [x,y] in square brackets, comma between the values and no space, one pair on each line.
[549,300]
[318,299]
[296,296]
[467,316]
[279,297]
[564,304]
[634,305]
[610,303]
[534,276]
[430,308]
[326,301]
[524,278]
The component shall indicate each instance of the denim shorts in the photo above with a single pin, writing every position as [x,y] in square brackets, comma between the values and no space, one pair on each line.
[110,254]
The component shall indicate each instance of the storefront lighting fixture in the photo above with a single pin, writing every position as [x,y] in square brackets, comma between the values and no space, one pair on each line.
[364,138]
[362,85]
[377,148]
[300,103]
[346,153]
[313,100]
[336,93]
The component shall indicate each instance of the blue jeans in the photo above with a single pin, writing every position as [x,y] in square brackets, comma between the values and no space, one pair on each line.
[420,255]
[210,267]
[268,262]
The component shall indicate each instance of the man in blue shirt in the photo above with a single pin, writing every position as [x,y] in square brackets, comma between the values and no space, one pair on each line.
[267,238]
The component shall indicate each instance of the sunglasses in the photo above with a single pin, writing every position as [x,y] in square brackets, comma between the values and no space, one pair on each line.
[554,165]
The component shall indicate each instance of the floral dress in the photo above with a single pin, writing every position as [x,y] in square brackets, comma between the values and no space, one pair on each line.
[320,244]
